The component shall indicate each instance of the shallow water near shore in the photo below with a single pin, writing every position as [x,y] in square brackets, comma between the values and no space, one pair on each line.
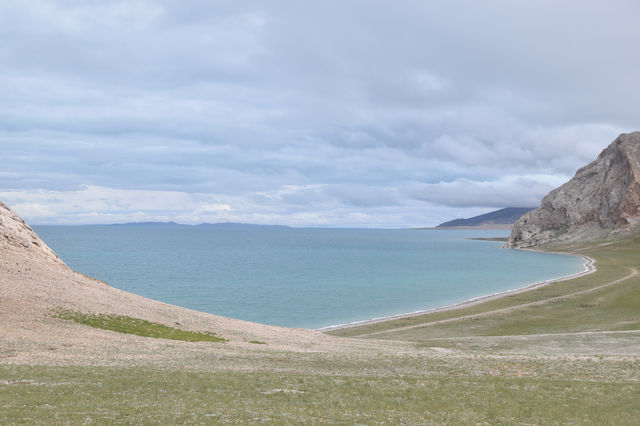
[309,278]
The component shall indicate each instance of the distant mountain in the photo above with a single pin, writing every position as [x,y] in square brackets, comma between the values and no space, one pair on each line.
[233,225]
[146,224]
[506,216]
[223,225]
[601,201]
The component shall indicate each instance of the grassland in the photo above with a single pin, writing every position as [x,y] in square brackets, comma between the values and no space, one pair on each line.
[137,326]
[98,395]
[566,353]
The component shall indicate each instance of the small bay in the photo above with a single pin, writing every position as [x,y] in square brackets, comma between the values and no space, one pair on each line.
[302,277]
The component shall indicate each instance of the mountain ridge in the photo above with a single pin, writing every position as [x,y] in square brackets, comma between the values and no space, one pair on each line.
[505,216]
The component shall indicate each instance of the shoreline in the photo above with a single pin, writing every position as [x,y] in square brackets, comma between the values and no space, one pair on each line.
[589,268]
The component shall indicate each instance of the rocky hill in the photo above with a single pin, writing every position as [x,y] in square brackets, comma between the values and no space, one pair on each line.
[602,200]
[506,216]
[16,235]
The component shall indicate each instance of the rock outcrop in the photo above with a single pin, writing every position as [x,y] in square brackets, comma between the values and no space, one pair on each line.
[602,200]
[16,235]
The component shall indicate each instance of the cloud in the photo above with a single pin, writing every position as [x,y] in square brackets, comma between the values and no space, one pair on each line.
[295,113]
[213,208]
[100,205]
[515,191]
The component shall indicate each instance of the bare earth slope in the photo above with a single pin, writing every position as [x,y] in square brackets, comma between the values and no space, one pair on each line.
[602,200]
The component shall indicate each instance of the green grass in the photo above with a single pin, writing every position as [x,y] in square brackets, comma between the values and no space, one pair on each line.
[129,325]
[613,308]
[107,395]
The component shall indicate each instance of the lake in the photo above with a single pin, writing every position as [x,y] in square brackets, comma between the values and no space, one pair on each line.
[301,277]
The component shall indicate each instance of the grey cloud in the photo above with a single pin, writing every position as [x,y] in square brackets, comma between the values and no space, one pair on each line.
[508,191]
[368,112]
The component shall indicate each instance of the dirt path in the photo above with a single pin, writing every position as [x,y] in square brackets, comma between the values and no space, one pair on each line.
[632,274]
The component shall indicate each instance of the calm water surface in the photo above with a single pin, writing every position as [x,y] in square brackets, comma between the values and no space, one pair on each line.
[301,277]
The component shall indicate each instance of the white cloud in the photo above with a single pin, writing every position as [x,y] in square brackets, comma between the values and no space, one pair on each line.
[213,208]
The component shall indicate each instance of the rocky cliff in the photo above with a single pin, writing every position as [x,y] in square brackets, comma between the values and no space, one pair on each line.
[16,235]
[602,200]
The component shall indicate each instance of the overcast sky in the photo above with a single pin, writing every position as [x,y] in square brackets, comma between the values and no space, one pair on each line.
[326,113]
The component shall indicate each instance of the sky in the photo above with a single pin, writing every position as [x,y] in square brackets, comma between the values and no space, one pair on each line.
[357,113]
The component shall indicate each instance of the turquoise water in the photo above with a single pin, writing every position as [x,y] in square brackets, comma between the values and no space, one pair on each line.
[308,278]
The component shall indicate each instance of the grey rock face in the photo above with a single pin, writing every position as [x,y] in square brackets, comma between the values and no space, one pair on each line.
[603,199]
[16,235]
